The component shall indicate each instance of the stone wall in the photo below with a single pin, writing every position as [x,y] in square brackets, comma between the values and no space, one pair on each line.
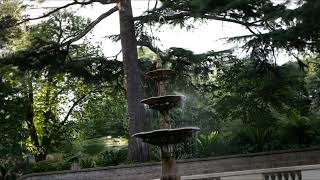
[149,171]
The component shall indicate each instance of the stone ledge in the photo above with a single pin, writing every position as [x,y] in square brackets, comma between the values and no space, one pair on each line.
[252,154]
[303,156]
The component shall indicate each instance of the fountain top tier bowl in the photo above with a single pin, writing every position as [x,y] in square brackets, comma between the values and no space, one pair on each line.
[160,74]
[166,136]
[163,103]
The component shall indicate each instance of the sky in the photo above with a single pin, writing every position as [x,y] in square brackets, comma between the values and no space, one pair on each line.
[204,37]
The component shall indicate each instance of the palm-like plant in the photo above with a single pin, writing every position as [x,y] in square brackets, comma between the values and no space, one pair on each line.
[207,144]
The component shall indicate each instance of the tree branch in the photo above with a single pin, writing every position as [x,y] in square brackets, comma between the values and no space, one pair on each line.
[90,26]
[65,119]
[71,109]
[228,20]
[48,14]
[105,1]
[62,123]
[178,16]
[75,2]
[115,57]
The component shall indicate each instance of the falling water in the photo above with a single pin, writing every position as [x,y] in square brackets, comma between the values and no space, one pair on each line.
[183,99]
[151,117]
[146,107]
[182,106]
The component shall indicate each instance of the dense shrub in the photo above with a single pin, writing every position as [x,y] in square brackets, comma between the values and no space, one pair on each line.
[48,165]
[87,162]
[112,157]
[11,168]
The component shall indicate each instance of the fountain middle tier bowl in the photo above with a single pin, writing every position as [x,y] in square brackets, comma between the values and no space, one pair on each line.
[166,136]
[160,74]
[163,103]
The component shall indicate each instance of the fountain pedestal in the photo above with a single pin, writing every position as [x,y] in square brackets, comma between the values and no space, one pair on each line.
[165,137]
[166,140]
[169,169]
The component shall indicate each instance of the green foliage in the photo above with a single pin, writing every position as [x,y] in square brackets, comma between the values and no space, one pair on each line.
[12,102]
[86,162]
[255,88]
[100,159]
[10,13]
[297,129]
[207,144]
[11,168]
[301,30]
[49,165]
[60,28]
[92,149]
[112,157]
[48,75]
[267,110]
[11,117]
[104,114]
[251,139]
[313,83]
[249,95]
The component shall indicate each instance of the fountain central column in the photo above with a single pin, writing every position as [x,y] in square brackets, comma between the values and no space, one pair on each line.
[165,137]
[169,167]
[165,118]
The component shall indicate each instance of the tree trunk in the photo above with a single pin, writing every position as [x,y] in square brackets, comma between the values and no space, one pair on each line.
[138,151]
[29,119]
[47,114]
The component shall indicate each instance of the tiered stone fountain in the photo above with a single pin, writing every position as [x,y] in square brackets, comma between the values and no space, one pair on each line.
[166,138]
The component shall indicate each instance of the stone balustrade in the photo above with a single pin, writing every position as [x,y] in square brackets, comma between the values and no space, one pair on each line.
[308,172]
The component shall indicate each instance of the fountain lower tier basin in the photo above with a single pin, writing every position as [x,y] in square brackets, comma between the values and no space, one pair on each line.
[160,74]
[162,103]
[166,136]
